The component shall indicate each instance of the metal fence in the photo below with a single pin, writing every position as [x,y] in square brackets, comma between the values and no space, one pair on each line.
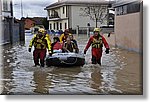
[12,32]
[89,30]
[5,35]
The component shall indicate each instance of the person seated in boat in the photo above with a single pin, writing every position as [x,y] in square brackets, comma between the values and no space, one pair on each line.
[64,36]
[70,46]
[72,39]
[56,45]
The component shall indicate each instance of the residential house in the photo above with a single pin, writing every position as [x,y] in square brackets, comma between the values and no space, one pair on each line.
[7,19]
[29,22]
[11,31]
[67,14]
[129,24]
[38,21]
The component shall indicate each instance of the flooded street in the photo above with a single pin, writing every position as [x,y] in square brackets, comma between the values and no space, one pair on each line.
[120,73]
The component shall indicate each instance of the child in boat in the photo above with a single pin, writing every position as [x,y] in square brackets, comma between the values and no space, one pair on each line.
[56,45]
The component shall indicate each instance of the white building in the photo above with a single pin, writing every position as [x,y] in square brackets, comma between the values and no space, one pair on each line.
[67,14]
[6,8]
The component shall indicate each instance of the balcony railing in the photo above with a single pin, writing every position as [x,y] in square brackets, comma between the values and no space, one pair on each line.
[53,16]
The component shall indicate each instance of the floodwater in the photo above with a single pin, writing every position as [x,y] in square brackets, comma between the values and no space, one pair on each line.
[120,73]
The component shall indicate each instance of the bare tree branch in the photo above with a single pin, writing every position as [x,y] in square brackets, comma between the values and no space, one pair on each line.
[97,13]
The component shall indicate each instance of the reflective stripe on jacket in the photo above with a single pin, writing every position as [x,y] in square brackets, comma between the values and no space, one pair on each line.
[63,38]
[40,42]
[101,41]
[70,46]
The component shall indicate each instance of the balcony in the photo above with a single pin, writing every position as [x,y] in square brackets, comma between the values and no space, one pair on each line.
[53,17]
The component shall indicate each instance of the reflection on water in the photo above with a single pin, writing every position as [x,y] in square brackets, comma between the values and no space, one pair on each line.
[120,73]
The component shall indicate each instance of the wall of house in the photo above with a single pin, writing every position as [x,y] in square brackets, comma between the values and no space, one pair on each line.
[6,7]
[63,14]
[128,31]
[76,19]
[55,28]
[0,21]
[29,23]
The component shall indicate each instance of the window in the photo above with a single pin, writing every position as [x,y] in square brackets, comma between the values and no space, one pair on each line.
[129,8]
[134,7]
[65,25]
[50,26]
[5,5]
[57,26]
[54,26]
[66,11]
[60,26]
[63,10]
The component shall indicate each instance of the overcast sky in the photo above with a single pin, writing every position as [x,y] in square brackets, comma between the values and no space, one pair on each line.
[31,8]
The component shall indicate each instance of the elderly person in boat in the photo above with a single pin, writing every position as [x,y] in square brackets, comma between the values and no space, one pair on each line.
[70,46]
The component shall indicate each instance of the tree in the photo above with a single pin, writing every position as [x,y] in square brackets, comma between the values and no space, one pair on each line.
[97,13]
[45,23]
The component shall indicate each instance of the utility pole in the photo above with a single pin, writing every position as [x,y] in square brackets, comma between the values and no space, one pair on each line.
[21,9]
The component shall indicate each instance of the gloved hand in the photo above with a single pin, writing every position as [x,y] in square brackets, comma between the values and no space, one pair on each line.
[29,49]
[50,53]
[107,51]
[85,51]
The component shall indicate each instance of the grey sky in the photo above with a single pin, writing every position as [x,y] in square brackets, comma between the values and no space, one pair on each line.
[31,8]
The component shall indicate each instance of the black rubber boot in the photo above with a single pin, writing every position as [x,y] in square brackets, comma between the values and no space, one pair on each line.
[94,60]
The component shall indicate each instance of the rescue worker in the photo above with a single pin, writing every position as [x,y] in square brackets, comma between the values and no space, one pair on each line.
[70,46]
[64,36]
[56,45]
[97,42]
[41,43]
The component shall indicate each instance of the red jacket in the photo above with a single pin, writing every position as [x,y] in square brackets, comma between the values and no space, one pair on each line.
[91,40]
[56,46]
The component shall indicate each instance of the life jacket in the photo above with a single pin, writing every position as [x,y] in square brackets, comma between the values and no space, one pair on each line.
[63,38]
[57,46]
[40,42]
[97,43]
[70,46]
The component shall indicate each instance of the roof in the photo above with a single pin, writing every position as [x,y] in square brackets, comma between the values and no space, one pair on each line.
[78,2]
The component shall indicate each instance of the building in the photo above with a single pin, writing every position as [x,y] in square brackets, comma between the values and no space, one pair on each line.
[0,19]
[67,14]
[7,20]
[129,24]
[38,20]
[11,32]
[29,22]
[32,22]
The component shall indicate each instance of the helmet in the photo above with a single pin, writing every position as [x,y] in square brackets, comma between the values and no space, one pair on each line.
[41,30]
[66,30]
[97,29]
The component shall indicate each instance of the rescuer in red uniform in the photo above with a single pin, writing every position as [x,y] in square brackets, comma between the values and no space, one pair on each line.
[41,43]
[97,41]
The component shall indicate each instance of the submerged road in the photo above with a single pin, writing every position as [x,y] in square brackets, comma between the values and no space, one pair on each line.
[120,73]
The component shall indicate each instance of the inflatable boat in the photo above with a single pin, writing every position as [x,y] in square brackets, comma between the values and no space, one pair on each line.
[66,59]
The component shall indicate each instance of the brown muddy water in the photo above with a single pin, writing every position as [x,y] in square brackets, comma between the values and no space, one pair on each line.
[120,73]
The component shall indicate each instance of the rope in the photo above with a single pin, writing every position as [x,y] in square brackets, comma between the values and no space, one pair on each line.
[69,63]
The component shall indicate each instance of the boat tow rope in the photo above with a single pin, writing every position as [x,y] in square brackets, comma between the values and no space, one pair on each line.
[69,63]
